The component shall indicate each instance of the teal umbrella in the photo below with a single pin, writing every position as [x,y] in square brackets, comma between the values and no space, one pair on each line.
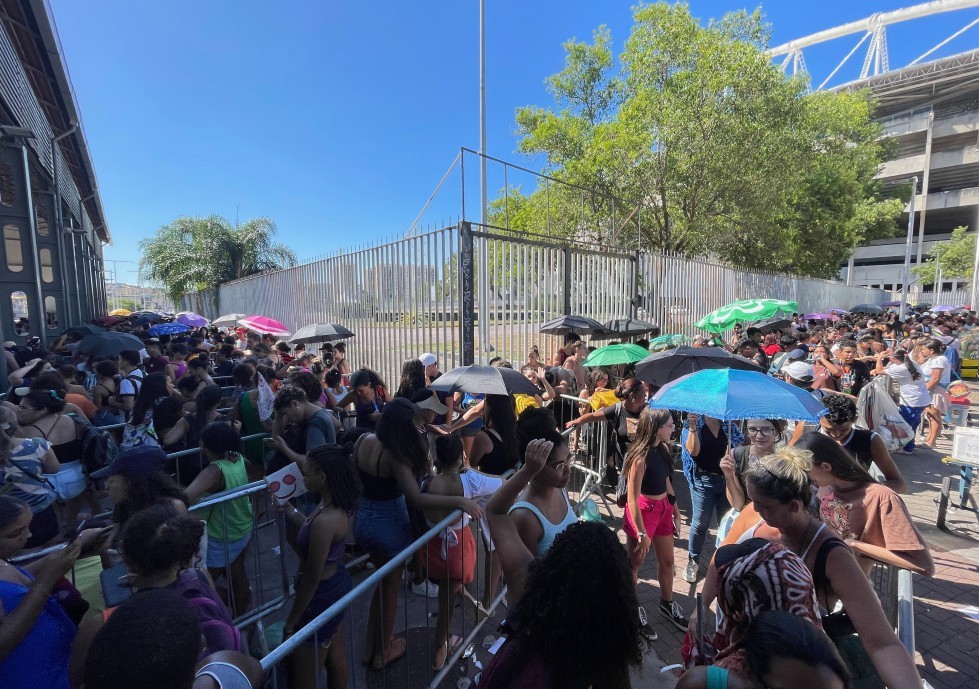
[666,341]
[725,317]
[616,354]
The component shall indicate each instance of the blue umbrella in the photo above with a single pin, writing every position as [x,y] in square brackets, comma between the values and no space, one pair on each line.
[168,329]
[729,394]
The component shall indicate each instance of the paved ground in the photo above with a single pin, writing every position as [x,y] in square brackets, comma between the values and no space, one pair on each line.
[947,628]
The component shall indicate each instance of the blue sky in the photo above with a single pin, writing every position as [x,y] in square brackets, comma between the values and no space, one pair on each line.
[339,119]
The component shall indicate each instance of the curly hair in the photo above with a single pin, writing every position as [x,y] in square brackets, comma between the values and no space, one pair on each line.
[146,490]
[47,393]
[336,463]
[841,409]
[159,537]
[537,423]
[308,383]
[587,565]
[286,396]
[627,387]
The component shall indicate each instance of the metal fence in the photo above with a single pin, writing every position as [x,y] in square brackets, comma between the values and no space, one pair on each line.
[470,292]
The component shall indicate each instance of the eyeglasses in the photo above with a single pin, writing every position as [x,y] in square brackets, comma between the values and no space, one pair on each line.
[752,430]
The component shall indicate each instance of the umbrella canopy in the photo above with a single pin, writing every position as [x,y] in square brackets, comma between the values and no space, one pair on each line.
[108,320]
[194,320]
[725,317]
[940,309]
[168,329]
[867,308]
[121,312]
[628,327]
[662,367]
[773,324]
[148,316]
[891,303]
[108,343]
[85,329]
[821,317]
[321,332]
[572,324]
[665,341]
[228,319]
[487,380]
[616,354]
[264,325]
[838,312]
[730,394]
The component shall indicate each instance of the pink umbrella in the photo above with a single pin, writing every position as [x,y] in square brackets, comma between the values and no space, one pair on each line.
[264,325]
[821,317]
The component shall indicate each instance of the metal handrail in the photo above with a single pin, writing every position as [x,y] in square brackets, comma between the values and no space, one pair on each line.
[905,610]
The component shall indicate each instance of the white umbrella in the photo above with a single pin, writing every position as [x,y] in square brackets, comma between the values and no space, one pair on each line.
[228,319]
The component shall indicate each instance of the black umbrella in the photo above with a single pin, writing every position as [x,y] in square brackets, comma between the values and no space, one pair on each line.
[321,332]
[486,380]
[573,324]
[148,316]
[85,329]
[109,343]
[629,327]
[867,308]
[773,324]
[662,367]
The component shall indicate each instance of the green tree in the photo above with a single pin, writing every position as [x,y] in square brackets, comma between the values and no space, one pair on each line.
[195,253]
[699,138]
[955,258]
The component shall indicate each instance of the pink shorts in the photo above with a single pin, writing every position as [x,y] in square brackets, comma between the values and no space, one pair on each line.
[657,518]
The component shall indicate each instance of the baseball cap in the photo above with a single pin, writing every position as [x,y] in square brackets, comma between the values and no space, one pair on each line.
[799,370]
[428,358]
[9,344]
[430,402]
[135,460]
[797,354]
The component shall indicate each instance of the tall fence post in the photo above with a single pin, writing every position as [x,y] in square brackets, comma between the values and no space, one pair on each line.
[567,280]
[635,298]
[467,295]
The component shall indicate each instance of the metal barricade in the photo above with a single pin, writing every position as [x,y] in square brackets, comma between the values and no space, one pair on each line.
[590,448]
[417,617]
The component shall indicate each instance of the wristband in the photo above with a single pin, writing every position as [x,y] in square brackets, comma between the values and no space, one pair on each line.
[641,535]
[671,498]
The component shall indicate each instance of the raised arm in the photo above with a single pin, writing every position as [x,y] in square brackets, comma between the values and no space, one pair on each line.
[514,555]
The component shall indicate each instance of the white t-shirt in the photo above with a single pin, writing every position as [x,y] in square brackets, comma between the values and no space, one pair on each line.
[913,392]
[937,361]
[126,387]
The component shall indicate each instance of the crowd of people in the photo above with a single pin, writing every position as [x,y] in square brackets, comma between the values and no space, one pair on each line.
[802,511]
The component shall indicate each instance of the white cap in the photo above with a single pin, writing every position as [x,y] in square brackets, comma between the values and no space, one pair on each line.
[799,370]
[433,404]
[428,359]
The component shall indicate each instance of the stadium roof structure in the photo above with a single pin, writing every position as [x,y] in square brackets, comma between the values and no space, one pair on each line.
[31,26]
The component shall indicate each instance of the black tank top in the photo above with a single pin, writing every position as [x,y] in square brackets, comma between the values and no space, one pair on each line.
[659,467]
[495,461]
[712,449]
[859,446]
[378,487]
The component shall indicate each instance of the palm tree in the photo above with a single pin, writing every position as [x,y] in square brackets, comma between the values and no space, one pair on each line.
[198,254]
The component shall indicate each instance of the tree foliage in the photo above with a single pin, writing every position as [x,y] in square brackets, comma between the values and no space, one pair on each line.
[706,145]
[195,253]
[955,257]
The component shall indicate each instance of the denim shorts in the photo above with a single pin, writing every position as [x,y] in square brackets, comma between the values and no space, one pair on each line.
[382,526]
[216,551]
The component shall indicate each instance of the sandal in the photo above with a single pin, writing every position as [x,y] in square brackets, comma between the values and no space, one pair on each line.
[397,649]
[479,612]
[446,649]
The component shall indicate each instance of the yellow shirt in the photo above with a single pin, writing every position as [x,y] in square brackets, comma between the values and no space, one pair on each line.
[602,399]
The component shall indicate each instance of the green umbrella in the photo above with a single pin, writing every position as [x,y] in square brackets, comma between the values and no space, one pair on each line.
[725,317]
[666,341]
[616,354]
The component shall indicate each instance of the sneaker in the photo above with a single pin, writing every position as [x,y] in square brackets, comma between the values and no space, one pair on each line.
[671,611]
[426,588]
[644,627]
[904,451]
[691,571]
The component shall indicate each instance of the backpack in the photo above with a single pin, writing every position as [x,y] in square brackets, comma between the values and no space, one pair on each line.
[98,448]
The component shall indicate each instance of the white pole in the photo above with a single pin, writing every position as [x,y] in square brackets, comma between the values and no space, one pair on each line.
[484,281]
[975,270]
[907,249]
